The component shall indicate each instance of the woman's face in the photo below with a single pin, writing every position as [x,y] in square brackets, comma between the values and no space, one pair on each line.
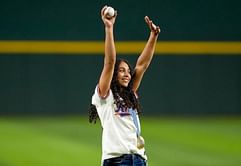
[124,75]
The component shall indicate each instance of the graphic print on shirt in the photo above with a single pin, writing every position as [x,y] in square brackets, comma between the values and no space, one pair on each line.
[120,107]
[122,111]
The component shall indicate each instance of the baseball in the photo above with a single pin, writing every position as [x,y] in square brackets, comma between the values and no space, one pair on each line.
[109,12]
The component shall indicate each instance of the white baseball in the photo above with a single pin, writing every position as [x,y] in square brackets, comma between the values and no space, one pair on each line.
[109,12]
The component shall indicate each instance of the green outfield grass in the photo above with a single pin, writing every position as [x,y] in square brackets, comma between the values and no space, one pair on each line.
[72,141]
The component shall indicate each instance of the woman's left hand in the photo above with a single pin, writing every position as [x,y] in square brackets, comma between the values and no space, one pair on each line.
[152,26]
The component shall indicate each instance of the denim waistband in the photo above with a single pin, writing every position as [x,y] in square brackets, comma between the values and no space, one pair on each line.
[131,156]
[125,159]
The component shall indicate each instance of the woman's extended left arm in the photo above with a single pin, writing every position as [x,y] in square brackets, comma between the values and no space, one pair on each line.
[145,58]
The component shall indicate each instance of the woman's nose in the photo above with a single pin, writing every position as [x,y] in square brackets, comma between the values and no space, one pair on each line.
[126,74]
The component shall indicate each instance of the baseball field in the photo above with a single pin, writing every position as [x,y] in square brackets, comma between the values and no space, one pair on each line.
[72,141]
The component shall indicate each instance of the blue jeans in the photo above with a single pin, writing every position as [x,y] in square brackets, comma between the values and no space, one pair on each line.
[125,160]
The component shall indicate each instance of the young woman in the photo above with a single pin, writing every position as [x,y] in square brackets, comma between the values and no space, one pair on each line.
[116,103]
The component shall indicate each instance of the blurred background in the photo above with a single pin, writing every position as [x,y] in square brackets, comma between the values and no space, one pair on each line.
[191,99]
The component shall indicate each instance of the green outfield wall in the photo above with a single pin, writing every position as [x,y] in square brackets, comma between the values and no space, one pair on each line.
[173,84]
[80,20]
[50,78]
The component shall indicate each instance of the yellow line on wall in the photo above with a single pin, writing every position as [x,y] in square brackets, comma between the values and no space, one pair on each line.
[129,47]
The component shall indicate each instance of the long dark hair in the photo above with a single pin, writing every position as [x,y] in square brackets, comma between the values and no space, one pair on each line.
[124,96]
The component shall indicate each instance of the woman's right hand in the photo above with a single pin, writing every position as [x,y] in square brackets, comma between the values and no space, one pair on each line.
[109,22]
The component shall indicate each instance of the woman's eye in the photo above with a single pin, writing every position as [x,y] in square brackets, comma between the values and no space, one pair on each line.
[121,70]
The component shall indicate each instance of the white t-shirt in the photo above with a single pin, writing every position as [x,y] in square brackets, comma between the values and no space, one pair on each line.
[119,134]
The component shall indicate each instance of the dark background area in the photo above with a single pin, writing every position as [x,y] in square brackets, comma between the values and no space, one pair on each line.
[173,85]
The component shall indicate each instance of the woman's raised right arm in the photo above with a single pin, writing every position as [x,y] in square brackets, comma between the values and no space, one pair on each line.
[110,55]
